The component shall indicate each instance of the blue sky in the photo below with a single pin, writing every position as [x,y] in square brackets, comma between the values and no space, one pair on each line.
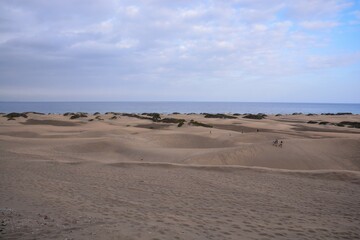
[180,50]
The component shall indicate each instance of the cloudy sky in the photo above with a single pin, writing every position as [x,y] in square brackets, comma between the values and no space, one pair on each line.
[180,50]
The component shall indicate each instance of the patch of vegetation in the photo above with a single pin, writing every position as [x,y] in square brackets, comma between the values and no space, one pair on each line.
[155,116]
[256,116]
[172,120]
[312,122]
[323,123]
[99,118]
[78,115]
[339,114]
[175,113]
[37,113]
[15,115]
[97,113]
[113,118]
[351,124]
[310,114]
[11,118]
[180,124]
[199,124]
[237,114]
[219,115]
[90,120]
[113,113]
[135,116]
[278,115]
[339,125]
[297,113]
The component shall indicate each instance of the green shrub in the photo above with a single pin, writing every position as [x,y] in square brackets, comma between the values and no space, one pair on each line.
[312,122]
[78,115]
[15,115]
[255,116]
[172,120]
[351,124]
[199,124]
[219,115]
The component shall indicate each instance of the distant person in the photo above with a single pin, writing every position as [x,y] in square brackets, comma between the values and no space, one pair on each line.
[281,144]
[276,142]
[257,130]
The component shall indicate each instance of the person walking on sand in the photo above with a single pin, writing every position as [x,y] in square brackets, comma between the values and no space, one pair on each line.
[276,142]
[281,144]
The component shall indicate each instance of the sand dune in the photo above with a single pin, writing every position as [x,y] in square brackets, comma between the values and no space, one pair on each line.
[134,179]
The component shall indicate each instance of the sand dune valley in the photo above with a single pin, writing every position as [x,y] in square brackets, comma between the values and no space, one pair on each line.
[124,177]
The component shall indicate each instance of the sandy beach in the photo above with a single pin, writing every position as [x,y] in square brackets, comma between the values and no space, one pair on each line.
[122,177]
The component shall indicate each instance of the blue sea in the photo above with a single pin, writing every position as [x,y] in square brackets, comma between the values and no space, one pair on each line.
[181,107]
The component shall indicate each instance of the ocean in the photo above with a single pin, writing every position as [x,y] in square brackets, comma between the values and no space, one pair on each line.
[181,107]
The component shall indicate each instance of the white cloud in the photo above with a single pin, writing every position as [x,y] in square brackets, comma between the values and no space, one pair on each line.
[314,25]
[166,41]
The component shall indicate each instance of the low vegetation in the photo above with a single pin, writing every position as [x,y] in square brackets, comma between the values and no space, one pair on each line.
[312,122]
[218,115]
[172,120]
[113,113]
[37,113]
[135,116]
[199,124]
[155,116]
[77,115]
[13,115]
[350,124]
[256,116]
[323,123]
[338,114]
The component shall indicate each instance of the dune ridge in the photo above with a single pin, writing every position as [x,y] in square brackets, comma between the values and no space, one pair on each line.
[133,178]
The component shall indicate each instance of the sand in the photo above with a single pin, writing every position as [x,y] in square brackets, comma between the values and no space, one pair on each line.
[131,178]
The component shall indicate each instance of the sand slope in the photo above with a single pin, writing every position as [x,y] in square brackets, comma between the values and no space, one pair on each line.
[133,179]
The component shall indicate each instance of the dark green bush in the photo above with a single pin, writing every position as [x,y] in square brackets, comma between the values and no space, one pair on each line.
[351,124]
[37,113]
[312,122]
[199,124]
[255,116]
[78,115]
[15,115]
[172,120]
[219,115]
